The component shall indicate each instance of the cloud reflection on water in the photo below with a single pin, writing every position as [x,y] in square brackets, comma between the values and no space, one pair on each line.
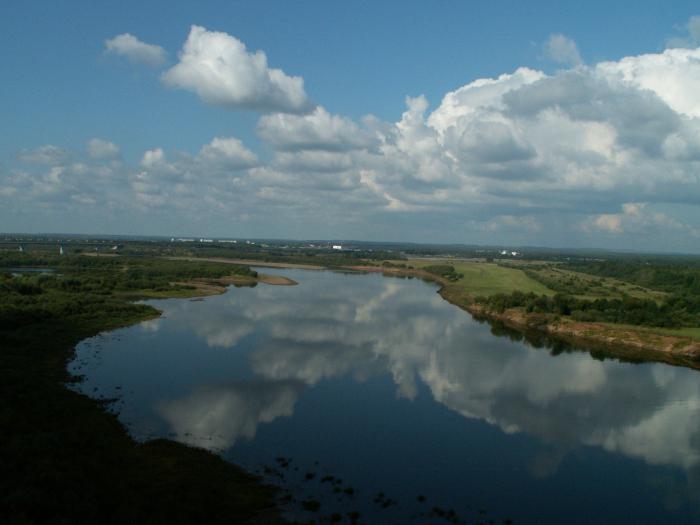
[368,327]
[215,417]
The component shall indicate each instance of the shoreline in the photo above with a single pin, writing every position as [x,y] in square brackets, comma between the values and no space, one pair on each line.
[204,287]
[602,339]
[599,339]
[91,469]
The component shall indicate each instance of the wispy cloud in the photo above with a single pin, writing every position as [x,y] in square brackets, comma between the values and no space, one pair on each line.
[690,34]
[562,50]
[136,51]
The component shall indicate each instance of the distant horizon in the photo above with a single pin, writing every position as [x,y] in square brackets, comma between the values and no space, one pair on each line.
[331,240]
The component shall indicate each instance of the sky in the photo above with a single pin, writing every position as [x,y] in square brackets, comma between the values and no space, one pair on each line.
[499,123]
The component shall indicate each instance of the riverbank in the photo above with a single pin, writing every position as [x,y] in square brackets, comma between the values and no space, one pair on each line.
[66,459]
[604,339]
[205,287]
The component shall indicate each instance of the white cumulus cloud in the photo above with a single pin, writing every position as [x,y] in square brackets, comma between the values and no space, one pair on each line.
[230,152]
[152,158]
[608,152]
[102,149]
[47,154]
[219,68]
[316,131]
[638,218]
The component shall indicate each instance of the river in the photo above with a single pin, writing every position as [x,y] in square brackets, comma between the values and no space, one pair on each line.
[372,395]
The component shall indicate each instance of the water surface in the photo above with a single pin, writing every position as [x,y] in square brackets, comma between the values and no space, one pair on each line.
[379,382]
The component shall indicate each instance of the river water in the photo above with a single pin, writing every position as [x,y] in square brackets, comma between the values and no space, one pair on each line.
[372,395]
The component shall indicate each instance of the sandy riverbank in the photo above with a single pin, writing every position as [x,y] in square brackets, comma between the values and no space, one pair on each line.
[205,286]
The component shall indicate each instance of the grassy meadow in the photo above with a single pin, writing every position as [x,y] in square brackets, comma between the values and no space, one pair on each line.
[554,289]
[486,278]
[584,286]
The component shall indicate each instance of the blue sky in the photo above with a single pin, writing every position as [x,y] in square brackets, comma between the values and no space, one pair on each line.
[475,167]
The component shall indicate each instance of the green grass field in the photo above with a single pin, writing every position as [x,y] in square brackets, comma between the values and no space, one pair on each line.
[482,278]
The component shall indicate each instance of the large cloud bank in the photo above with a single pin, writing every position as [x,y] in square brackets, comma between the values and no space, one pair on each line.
[595,152]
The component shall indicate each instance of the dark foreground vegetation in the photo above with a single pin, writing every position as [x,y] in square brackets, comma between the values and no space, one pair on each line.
[64,459]
[446,271]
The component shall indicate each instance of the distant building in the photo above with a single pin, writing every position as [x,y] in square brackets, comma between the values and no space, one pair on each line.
[60,250]
[21,248]
[337,246]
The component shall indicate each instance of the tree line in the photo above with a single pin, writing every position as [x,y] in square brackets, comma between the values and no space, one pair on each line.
[675,312]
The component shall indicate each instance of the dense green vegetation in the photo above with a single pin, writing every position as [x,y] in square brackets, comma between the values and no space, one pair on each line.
[629,310]
[446,271]
[584,286]
[83,286]
[63,458]
[297,253]
[678,277]
[625,291]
